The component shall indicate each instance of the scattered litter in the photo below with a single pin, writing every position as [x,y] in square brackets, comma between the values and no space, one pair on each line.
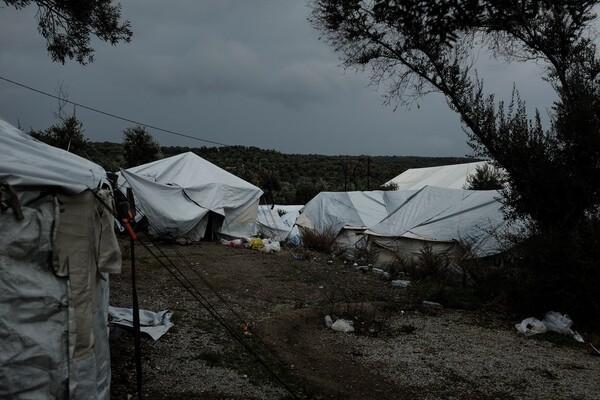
[380,271]
[233,243]
[264,245]
[183,241]
[342,325]
[531,326]
[400,283]
[362,268]
[328,321]
[553,321]
[256,242]
[432,304]
[152,323]
[295,240]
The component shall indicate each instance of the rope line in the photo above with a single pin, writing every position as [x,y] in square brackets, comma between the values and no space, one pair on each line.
[112,115]
[188,285]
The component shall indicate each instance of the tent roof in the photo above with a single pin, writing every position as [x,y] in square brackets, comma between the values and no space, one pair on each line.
[25,161]
[447,215]
[337,210]
[206,184]
[177,192]
[448,176]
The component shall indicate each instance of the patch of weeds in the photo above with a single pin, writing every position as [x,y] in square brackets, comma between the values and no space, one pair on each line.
[177,315]
[407,329]
[464,298]
[558,340]
[212,358]
[320,241]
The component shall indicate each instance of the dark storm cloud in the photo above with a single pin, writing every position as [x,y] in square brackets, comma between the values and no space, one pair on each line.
[234,71]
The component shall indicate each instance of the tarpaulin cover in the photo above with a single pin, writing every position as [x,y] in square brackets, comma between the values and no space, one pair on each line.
[153,323]
[25,161]
[448,215]
[278,222]
[54,266]
[448,176]
[336,210]
[200,186]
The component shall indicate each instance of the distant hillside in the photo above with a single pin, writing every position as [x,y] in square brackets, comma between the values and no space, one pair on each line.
[293,178]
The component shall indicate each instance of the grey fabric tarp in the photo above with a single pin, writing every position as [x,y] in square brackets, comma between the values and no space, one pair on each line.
[54,266]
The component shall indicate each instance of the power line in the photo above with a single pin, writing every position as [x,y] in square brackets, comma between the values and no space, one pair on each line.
[112,115]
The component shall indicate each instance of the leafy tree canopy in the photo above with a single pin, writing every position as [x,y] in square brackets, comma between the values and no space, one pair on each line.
[67,135]
[553,174]
[139,147]
[68,25]
[486,177]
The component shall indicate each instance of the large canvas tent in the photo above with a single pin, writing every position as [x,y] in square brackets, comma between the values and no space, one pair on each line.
[57,246]
[445,219]
[184,194]
[389,223]
[347,214]
[447,176]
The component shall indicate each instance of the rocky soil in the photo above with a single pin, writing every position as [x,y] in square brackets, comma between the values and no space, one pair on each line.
[400,349]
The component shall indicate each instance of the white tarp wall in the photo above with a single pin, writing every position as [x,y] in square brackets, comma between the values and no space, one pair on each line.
[54,266]
[441,218]
[177,193]
[278,222]
[448,176]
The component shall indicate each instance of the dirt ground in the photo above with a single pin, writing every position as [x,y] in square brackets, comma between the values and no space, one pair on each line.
[400,349]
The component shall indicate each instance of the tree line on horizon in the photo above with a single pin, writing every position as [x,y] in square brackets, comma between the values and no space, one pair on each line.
[284,178]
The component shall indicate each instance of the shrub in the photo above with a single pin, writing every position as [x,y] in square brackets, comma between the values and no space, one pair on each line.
[323,242]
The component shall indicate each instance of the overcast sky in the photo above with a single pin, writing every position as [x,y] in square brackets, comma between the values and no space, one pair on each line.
[238,72]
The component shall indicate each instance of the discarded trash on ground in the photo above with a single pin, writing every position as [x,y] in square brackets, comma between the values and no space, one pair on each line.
[553,321]
[154,324]
[400,283]
[381,272]
[264,245]
[432,304]
[340,325]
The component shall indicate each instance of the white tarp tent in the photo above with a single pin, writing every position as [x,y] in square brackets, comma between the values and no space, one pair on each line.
[443,217]
[347,214]
[180,194]
[55,256]
[448,176]
[278,222]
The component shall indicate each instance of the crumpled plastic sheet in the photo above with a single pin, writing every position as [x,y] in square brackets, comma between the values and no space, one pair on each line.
[553,321]
[154,324]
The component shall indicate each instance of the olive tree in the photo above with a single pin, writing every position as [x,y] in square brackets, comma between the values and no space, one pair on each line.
[139,147]
[553,174]
[68,26]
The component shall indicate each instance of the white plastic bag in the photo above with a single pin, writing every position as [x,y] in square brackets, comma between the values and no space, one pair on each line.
[342,325]
[556,322]
[400,283]
[531,326]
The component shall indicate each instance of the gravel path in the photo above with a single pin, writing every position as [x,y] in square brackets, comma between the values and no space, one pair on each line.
[418,353]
